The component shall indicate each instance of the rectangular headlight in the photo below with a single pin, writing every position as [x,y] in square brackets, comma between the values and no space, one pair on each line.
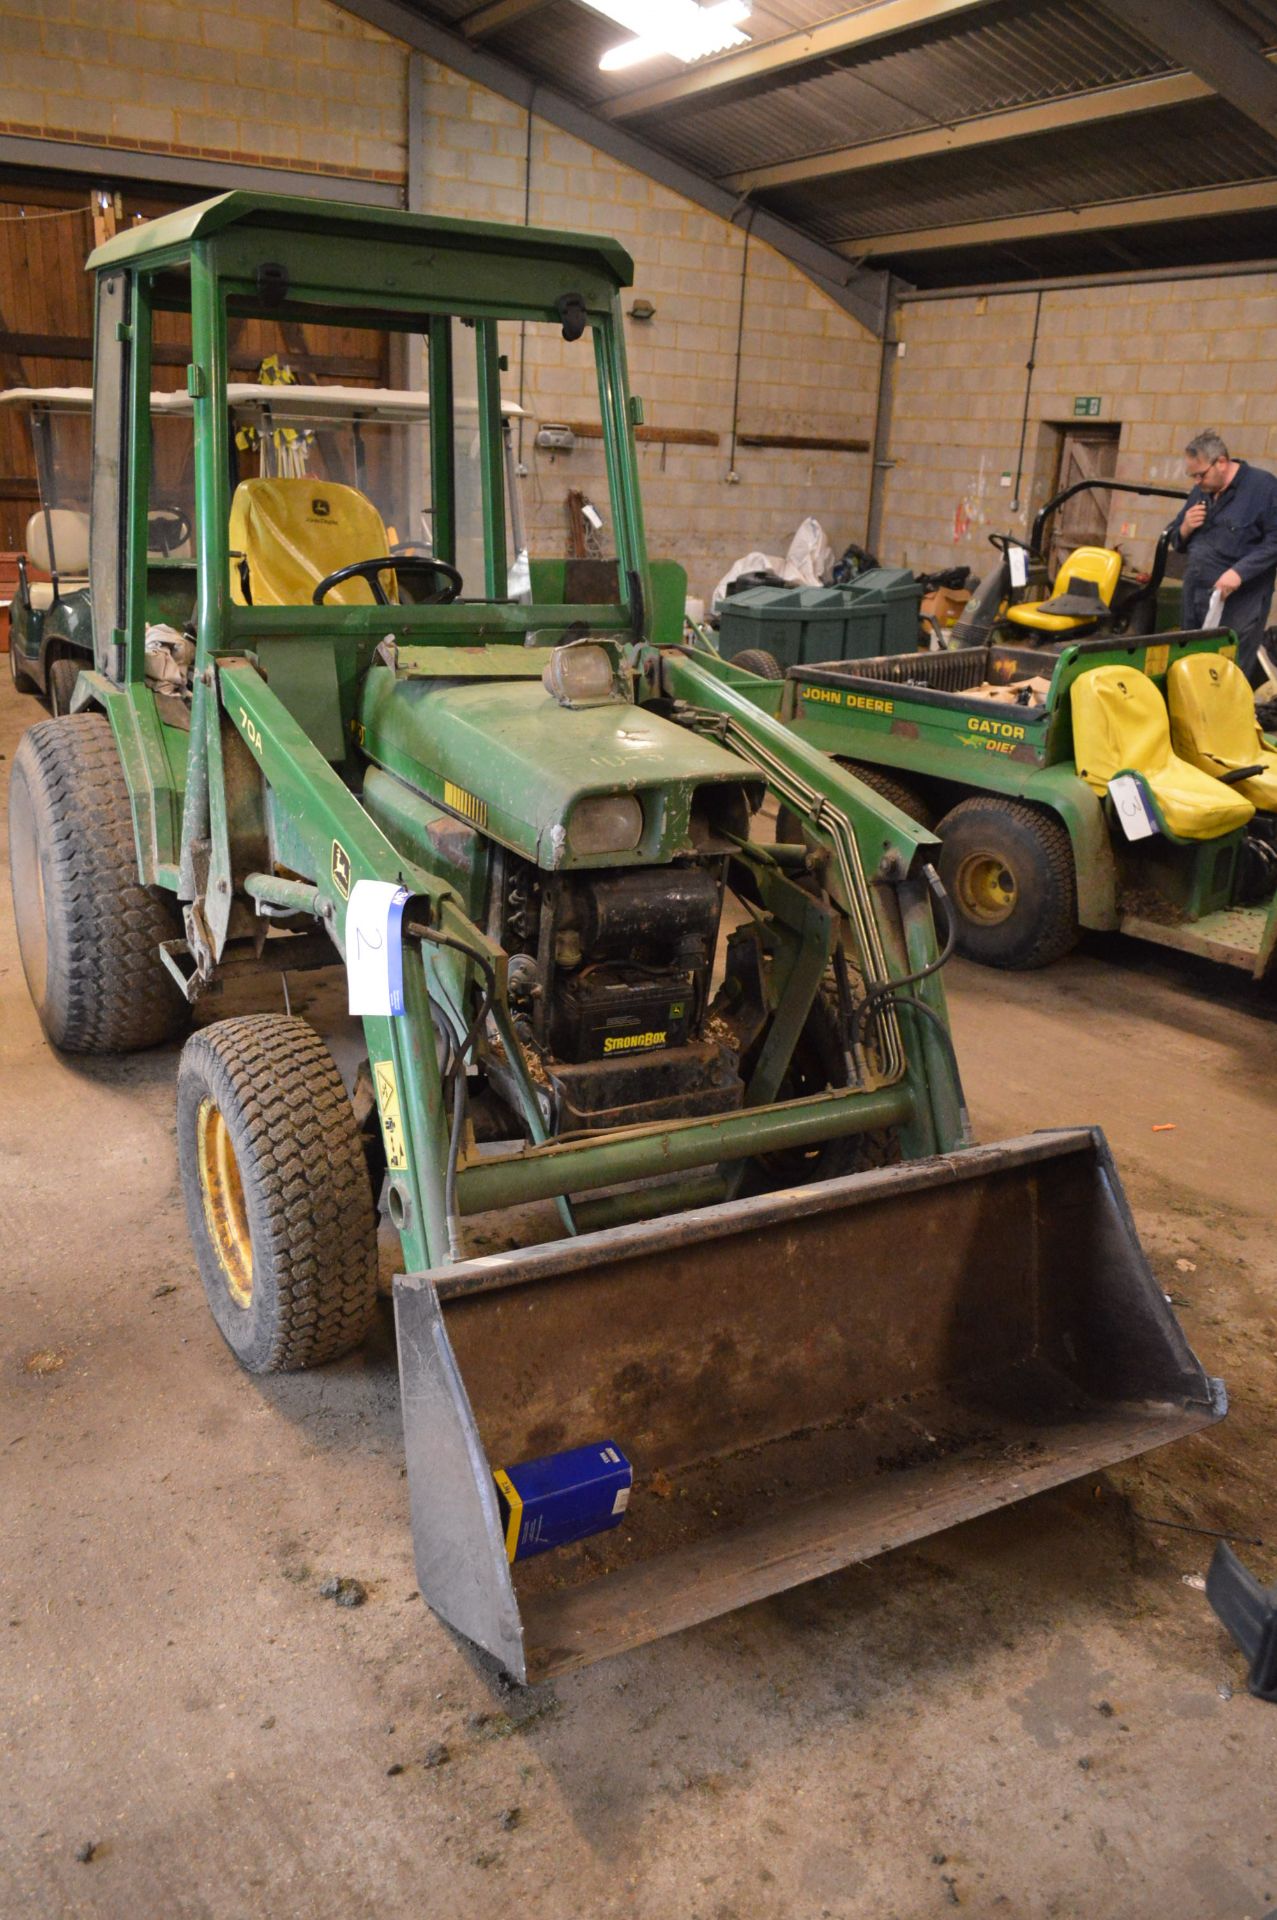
[609,823]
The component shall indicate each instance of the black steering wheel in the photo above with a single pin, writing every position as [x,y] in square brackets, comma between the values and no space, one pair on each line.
[370,570]
[168,527]
[1005,541]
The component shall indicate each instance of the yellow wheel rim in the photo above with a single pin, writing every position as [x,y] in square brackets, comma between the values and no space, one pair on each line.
[225,1214]
[986,888]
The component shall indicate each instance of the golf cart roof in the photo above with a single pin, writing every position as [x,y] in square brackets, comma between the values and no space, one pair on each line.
[247,397]
[179,231]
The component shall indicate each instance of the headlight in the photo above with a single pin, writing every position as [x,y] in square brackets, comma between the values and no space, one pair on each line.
[612,823]
[578,675]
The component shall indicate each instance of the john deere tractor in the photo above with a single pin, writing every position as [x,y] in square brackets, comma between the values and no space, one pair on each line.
[786,1288]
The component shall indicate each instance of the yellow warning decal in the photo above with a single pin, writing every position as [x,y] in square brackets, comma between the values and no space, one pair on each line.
[391,1125]
[515,1503]
[1156,660]
[468,805]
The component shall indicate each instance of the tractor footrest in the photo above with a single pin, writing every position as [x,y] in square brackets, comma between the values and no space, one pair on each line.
[1249,1612]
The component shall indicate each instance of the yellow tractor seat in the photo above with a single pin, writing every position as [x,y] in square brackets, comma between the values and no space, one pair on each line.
[292,533]
[1120,725]
[1082,593]
[1213,725]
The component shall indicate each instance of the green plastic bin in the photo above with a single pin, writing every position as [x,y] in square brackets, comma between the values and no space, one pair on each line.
[875,614]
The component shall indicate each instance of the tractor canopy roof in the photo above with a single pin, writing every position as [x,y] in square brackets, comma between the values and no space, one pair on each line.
[177,233]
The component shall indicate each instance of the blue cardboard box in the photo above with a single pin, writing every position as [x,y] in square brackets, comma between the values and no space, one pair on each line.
[562,1497]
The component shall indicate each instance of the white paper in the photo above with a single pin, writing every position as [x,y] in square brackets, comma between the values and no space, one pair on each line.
[1132,809]
[1018,560]
[374,947]
[1215,611]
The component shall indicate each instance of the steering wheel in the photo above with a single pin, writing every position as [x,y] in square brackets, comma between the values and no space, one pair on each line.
[370,570]
[169,527]
[1005,541]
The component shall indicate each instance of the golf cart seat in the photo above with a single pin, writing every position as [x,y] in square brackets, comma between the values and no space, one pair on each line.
[1213,725]
[1081,596]
[287,535]
[69,556]
[1120,725]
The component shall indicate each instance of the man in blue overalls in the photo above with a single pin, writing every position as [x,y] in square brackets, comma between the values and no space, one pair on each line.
[1228,528]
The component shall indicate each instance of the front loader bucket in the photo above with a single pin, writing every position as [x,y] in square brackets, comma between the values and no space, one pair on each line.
[801,1381]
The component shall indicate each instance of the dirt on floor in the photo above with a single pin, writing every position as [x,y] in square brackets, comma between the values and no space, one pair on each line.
[1035,1714]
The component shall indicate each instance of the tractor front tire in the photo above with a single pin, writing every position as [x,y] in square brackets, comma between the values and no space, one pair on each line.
[63,674]
[278,1201]
[88,930]
[1008,869]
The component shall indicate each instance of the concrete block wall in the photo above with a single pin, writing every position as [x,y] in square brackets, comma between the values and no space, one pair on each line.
[302,84]
[1165,358]
[295,83]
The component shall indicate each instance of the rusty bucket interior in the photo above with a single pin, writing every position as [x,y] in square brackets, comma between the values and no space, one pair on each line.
[801,1381]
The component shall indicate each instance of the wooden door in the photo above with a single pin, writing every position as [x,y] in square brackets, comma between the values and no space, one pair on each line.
[1087,453]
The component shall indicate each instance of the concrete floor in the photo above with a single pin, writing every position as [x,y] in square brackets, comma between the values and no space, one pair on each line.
[1031,1715]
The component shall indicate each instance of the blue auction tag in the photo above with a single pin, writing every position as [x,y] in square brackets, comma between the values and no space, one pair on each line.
[374,947]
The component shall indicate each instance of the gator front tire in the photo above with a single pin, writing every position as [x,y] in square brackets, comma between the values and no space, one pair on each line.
[88,931]
[758,661]
[63,674]
[1008,869]
[894,788]
[278,1202]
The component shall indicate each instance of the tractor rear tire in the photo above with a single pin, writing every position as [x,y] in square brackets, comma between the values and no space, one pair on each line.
[757,660]
[63,674]
[1008,869]
[278,1201]
[88,930]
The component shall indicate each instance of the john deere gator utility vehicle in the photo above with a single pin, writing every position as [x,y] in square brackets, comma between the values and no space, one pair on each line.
[790,1302]
[1111,783]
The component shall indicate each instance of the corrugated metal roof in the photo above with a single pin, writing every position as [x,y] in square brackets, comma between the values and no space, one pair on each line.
[1010,59]
[998,56]
[1115,160]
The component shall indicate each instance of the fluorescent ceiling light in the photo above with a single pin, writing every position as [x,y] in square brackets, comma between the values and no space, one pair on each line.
[679,28]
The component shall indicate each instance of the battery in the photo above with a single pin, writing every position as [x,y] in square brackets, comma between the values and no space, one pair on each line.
[562,1497]
[609,1014]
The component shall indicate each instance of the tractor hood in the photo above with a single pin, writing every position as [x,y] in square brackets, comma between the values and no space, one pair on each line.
[506,756]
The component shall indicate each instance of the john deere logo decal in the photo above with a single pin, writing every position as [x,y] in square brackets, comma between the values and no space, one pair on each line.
[320,508]
[341,870]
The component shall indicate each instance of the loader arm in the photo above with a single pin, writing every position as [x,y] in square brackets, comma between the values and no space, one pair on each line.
[875,875]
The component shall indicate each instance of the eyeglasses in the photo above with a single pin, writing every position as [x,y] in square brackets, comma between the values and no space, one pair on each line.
[1199,473]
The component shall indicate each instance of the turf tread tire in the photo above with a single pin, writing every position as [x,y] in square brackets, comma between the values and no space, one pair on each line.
[106,989]
[892,788]
[759,661]
[64,671]
[1049,928]
[309,1203]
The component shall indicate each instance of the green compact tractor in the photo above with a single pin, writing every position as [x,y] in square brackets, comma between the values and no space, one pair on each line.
[1111,783]
[773,1311]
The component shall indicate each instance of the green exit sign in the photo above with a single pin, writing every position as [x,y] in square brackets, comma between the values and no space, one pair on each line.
[1086,406]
